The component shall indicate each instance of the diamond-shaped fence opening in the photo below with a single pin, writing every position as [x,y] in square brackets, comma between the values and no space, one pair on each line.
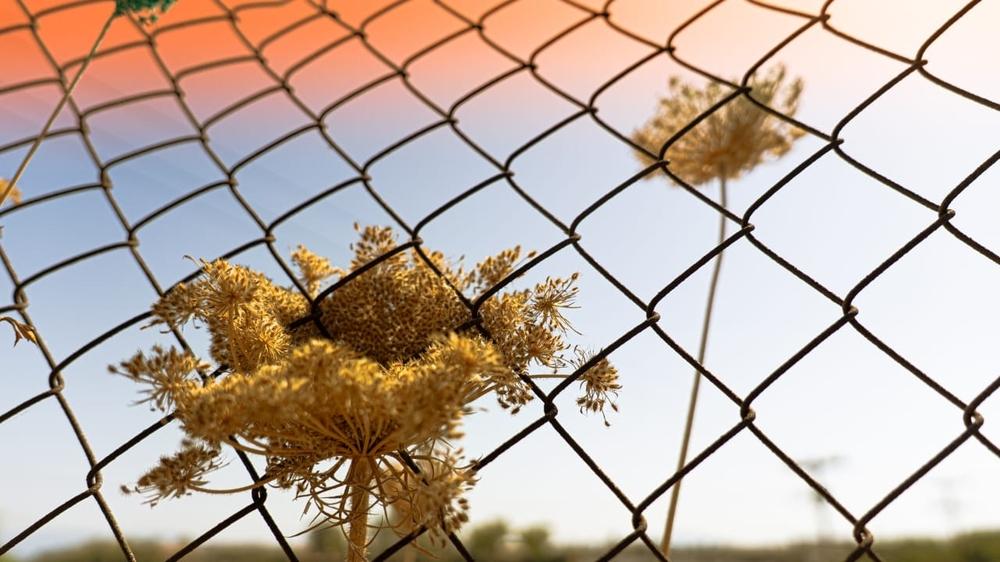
[230,100]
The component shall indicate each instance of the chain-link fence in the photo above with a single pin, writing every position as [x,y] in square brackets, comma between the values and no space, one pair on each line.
[231,14]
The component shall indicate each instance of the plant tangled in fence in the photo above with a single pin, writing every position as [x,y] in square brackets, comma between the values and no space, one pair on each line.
[357,409]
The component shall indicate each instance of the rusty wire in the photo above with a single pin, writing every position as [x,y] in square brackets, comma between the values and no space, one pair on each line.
[586,109]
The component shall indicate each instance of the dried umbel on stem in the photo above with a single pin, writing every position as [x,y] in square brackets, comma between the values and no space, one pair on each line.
[733,139]
[356,409]
[600,386]
[730,141]
[10,193]
[432,497]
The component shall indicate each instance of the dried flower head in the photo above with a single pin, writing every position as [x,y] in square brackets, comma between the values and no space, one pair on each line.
[600,385]
[393,311]
[245,312]
[432,498]
[21,330]
[332,416]
[313,269]
[165,372]
[178,474]
[14,194]
[730,141]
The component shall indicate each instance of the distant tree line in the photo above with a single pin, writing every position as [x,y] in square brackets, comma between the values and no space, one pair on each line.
[497,542]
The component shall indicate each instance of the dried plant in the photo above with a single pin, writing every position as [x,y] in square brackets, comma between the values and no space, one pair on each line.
[340,419]
[733,139]
[9,193]
[730,141]
[21,330]
[600,386]
[12,193]
[146,12]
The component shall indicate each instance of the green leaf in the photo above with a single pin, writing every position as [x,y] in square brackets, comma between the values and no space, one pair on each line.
[145,9]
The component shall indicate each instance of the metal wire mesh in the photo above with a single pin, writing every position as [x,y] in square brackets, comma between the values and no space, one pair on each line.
[586,109]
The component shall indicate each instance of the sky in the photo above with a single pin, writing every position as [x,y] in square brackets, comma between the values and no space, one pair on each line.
[846,400]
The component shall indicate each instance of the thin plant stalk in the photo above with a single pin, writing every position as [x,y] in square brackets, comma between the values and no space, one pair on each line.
[359,480]
[55,113]
[695,387]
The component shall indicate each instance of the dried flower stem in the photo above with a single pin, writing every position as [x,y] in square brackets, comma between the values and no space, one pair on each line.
[359,479]
[10,189]
[730,140]
[121,7]
[55,113]
[695,387]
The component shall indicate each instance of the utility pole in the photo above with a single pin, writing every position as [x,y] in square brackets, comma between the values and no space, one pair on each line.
[950,504]
[816,467]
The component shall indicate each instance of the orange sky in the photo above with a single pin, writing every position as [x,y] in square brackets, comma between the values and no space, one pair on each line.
[324,62]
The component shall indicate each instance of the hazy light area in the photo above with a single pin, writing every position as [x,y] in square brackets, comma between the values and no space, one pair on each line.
[938,306]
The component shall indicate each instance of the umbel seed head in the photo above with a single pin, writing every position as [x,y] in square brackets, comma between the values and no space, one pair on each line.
[730,141]
[342,406]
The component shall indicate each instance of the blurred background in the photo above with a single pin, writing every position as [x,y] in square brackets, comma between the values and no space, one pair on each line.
[257,77]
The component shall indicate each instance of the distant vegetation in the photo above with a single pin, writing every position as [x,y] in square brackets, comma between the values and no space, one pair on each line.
[497,542]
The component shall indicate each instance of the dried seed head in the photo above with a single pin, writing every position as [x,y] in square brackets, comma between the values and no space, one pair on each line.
[731,140]
[169,373]
[245,312]
[313,269]
[433,498]
[179,474]
[331,415]
[599,384]
[492,270]
[15,195]
[392,311]
[21,330]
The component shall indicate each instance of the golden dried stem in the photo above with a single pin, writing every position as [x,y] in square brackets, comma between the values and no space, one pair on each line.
[55,112]
[675,491]
[359,479]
